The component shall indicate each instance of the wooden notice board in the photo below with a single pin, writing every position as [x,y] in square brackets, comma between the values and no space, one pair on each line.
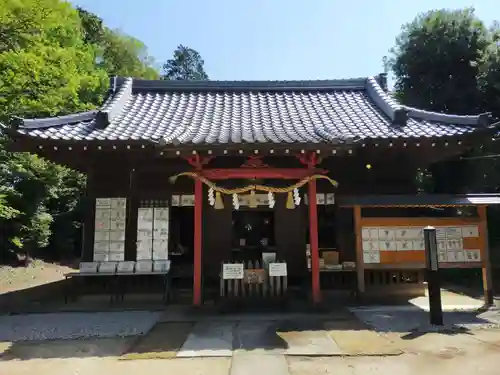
[400,242]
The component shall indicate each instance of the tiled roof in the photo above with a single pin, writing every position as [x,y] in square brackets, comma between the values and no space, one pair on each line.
[216,112]
[434,200]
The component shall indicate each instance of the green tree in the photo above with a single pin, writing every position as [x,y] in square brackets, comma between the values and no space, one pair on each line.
[186,64]
[448,61]
[45,67]
[116,53]
[54,59]
[436,61]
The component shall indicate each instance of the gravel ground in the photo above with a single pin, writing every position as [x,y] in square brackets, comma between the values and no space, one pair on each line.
[68,326]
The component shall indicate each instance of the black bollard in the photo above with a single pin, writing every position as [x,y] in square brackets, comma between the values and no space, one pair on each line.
[433,279]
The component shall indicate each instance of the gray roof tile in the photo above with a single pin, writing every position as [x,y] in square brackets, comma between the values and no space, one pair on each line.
[212,112]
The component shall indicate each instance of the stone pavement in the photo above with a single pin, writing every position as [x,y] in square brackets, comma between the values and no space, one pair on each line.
[265,344]
[476,352]
[292,337]
[398,319]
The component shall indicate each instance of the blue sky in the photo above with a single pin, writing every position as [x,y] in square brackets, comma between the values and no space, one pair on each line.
[274,39]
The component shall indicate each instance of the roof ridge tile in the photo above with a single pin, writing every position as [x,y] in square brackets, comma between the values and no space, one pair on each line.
[114,104]
[175,85]
[48,122]
[390,106]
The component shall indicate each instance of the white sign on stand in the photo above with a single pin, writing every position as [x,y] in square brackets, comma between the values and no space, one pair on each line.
[277,269]
[231,271]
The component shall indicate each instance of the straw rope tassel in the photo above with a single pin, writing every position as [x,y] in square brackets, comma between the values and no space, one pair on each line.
[289,201]
[219,204]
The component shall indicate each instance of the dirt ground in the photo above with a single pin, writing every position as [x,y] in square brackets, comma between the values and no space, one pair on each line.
[36,273]
[476,352]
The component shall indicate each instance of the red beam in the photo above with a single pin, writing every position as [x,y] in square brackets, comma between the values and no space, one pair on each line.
[249,173]
[313,242]
[198,202]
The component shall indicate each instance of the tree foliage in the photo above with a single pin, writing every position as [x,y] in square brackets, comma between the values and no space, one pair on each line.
[116,53]
[55,59]
[437,56]
[186,64]
[448,61]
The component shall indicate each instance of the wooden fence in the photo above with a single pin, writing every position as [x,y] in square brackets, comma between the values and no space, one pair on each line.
[255,286]
[395,282]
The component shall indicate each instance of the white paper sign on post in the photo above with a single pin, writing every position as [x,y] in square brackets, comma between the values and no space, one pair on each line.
[277,269]
[231,271]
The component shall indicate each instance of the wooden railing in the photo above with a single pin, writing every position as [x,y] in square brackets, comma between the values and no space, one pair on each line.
[381,278]
[256,284]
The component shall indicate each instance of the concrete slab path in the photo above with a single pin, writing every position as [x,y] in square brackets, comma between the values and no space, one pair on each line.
[258,337]
[209,339]
[310,343]
[253,363]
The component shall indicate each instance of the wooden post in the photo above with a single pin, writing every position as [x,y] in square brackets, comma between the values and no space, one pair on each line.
[132,212]
[313,240]
[360,265]
[198,203]
[485,257]
[87,254]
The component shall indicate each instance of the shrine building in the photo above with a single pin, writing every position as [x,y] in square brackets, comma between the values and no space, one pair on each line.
[313,181]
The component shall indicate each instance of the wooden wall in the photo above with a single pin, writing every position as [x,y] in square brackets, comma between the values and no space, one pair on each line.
[150,180]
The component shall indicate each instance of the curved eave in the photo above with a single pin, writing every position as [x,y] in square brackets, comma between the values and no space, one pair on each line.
[25,142]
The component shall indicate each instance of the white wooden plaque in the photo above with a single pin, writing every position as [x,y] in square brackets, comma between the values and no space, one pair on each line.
[453,233]
[116,235]
[125,267]
[176,200]
[330,198]
[145,235]
[144,266]
[262,199]
[88,267]
[470,231]
[103,202]
[107,267]
[145,219]
[320,199]
[277,269]
[159,245]
[101,257]
[101,246]
[101,235]
[143,256]
[187,200]
[118,202]
[161,215]
[116,257]
[161,265]
[160,234]
[117,247]
[231,271]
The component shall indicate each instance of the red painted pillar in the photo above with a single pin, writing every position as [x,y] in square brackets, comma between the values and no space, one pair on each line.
[313,241]
[198,203]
